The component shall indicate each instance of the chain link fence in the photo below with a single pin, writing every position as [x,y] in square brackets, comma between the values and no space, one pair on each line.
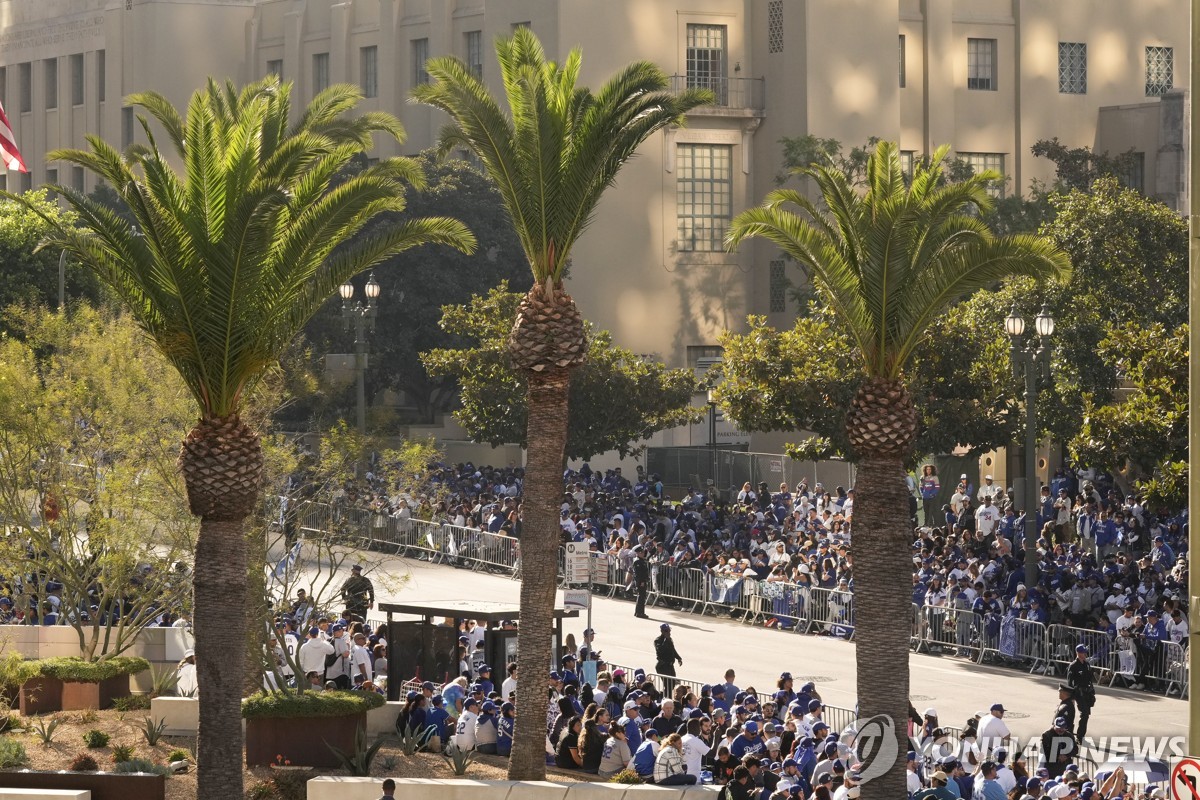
[726,470]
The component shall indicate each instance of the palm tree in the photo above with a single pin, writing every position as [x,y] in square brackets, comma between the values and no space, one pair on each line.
[551,157]
[888,260]
[227,261]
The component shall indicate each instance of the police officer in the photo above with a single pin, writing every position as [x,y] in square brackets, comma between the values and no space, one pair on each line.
[1058,748]
[1083,685]
[665,656]
[641,581]
[358,593]
[1066,705]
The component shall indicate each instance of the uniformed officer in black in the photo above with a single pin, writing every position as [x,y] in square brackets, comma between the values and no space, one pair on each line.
[665,656]
[1066,705]
[641,581]
[1083,684]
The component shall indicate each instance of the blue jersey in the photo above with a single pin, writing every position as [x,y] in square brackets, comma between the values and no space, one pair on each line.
[436,718]
[743,746]
[504,736]
[643,759]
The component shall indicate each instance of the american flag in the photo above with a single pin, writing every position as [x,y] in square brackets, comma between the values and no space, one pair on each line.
[8,146]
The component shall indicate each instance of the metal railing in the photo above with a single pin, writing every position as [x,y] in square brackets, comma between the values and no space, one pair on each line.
[1006,640]
[747,93]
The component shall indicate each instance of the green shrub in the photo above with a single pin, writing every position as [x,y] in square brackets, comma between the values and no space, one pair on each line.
[46,729]
[625,776]
[143,765]
[95,738]
[122,753]
[12,753]
[286,705]
[358,762]
[83,763]
[135,702]
[178,754]
[459,759]
[152,730]
[76,670]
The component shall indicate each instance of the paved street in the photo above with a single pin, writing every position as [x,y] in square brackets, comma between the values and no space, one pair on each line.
[709,645]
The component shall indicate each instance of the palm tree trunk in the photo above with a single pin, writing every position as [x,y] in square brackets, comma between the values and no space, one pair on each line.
[882,609]
[220,585]
[540,532]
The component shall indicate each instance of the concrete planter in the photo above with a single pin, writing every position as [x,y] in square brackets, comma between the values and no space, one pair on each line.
[102,785]
[41,696]
[301,740]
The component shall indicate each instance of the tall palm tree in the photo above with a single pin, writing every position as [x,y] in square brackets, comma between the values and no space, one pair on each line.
[229,258]
[888,260]
[551,155]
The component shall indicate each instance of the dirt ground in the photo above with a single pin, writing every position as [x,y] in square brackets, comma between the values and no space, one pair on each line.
[125,729]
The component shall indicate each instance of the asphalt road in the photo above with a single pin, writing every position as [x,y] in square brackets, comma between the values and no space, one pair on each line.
[710,645]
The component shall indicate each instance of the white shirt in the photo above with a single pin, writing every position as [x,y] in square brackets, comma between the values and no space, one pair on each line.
[464,735]
[694,749]
[312,655]
[986,518]
[360,660]
[508,687]
[1178,631]
[992,731]
[914,780]
[188,686]
[1006,778]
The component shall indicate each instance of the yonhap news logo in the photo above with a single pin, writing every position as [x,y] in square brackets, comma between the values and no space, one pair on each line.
[876,746]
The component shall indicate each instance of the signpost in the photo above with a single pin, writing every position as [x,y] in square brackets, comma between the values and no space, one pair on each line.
[579,570]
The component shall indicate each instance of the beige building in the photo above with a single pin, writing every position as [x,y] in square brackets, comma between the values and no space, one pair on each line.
[988,77]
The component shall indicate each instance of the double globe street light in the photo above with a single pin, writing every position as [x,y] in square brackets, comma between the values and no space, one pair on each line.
[362,317]
[1031,361]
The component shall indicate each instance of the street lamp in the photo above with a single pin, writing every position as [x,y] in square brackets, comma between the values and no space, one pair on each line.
[362,317]
[1032,362]
[712,435]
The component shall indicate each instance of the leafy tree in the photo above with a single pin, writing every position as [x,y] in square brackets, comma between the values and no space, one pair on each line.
[551,156]
[230,258]
[87,481]
[1080,167]
[414,287]
[617,398]
[1145,430]
[888,262]
[30,275]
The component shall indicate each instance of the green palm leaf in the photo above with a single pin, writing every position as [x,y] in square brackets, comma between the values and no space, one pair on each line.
[891,258]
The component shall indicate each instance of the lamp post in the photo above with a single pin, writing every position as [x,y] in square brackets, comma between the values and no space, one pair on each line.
[1031,362]
[362,317]
[712,436]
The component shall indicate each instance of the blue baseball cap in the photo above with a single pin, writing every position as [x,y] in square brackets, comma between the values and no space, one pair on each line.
[470,701]
[437,700]
[751,727]
[487,707]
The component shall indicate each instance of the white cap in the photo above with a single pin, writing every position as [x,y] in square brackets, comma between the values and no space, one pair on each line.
[987,477]
[962,477]
[1062,790]
[189,653]
[930,712]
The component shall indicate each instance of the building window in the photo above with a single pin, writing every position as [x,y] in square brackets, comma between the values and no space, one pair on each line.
[26,181]
[3,86]
[473,45]
[51,175]
[706,60]
[704,195]
[77,79]
[903,69]
[369,67]
[3,181]
[25,78]
[980,162]
[51,73]
[420,55]
[907,162]
[778,288]
[275,67]
[77,179]
[126,126]
[525,24]
[100,75]
[703,354]
[320,72]
[1135,176]
[1160,70]
[775,26]
[981,64]
[1072,67]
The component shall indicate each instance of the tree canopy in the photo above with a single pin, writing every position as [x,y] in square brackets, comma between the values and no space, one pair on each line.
[617,398]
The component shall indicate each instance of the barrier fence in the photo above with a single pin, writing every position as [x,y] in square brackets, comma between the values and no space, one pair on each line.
[944,630]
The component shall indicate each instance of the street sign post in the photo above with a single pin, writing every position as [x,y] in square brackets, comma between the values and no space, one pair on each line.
[579,570]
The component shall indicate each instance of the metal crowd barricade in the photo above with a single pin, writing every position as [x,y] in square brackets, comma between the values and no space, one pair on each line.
[1019,643]
[1163,668]
[786,603]
[1175,668]
[429,540]
[831,612]
[726,593]
[1061,641]
[677,585]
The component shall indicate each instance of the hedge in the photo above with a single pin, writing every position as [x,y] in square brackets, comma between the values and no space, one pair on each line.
[288,705]
[76,670]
